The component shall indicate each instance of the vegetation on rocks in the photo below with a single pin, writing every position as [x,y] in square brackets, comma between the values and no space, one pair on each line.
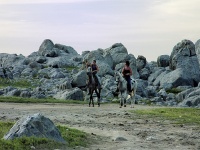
[174,90]
[20,83]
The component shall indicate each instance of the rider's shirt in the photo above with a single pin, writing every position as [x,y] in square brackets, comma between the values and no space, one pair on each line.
[125,71]
[94,67]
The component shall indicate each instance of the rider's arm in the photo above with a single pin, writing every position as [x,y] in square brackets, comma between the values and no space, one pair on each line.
[97,68]
[131,72]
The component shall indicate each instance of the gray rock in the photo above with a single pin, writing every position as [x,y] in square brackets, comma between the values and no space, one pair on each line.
[46,47]
[2,72]
[197,49]
[162,94]
[25,93]
[70,94]
[66,84]
[118,139]
[152,91]
[66,49]
[104,69]
[163,61]
[56,73]
[190,101]
[40,59]
[144,73]
[79,79]
[119,53]
[14,92]
[183,57]
[141,88]
[141,62]
[182,95]
[153,76]
[35,125]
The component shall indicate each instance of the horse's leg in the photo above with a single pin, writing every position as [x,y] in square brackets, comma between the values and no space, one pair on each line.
[121,100]
[98,96]
[91,95]
[133,98]
[124,96]
[90,91]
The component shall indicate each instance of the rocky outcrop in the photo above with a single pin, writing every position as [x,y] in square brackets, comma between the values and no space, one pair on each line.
[184,65]
[55,71]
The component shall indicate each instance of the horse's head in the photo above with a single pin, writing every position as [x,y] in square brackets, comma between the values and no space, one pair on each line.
[89,70]
[117,76]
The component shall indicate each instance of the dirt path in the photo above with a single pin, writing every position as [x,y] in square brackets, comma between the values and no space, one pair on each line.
[115,128]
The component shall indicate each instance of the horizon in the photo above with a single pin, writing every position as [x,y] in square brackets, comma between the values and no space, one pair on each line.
[147,28]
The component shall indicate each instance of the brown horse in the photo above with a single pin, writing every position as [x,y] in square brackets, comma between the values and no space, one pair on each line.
[93,86]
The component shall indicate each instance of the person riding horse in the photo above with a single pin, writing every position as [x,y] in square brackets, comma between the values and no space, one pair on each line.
[95,69]
[127,73]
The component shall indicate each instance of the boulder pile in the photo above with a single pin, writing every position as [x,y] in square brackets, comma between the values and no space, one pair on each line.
[56,71]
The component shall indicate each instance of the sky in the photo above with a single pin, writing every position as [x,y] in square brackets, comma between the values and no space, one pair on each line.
[145,27]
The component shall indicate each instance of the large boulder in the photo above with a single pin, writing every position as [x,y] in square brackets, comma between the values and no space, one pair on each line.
[184,61]
[35,125]
[46,48]
[182,54]
[119,53]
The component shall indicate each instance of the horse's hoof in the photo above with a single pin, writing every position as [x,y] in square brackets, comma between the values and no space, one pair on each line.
[124,105]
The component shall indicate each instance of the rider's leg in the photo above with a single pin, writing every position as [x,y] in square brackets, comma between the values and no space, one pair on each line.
[95,78]
[129,84]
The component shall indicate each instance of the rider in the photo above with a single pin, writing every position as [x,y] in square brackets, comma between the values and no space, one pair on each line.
[95,69]
[127,73]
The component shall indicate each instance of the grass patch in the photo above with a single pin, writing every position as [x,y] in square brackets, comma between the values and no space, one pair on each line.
[72,136]
[70,68]
[174,90]
[178,115]
[15,83]
[36,100]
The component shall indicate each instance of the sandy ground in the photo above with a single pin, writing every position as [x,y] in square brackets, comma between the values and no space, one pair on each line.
[112,128]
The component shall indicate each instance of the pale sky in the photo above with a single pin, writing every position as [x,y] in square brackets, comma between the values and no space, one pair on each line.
[145,27]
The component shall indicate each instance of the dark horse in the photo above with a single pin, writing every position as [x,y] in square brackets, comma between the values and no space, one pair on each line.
[93,86]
